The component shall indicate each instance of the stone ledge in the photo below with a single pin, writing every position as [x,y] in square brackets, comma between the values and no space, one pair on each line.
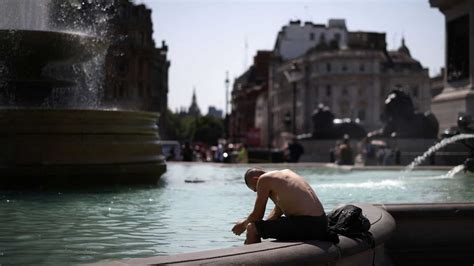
[347,252]
[432,234]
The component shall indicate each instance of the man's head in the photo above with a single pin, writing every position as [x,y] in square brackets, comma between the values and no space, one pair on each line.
[251,177]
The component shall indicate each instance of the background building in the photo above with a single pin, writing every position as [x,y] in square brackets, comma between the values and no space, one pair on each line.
[353,82]
[246,120]
[159,87]
[350,72]
[214,112]
[135,72]
[194,108]
[129,58]
[295,39]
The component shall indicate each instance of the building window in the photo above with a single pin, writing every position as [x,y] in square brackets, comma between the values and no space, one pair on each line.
[311,36]
[344,67]
[145,69]
[414,91]
[344,107]
[362,67]
[140,89]
[361,114]
[124,13]
[458,49]
[122,67]
[360,91]
[344,91]
[328,90]
[328,67]
[140,66]
[121,90]
[143,38]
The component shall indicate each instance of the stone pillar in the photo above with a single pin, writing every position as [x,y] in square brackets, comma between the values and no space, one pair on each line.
[458,94]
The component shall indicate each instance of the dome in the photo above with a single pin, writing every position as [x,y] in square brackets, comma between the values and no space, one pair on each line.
[403,48]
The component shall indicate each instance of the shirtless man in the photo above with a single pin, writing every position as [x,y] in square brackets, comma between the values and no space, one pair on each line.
[304,215]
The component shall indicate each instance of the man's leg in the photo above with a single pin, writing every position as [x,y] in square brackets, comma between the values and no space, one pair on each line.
[252,234]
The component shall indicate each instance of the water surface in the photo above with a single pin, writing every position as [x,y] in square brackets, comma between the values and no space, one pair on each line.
[81,226]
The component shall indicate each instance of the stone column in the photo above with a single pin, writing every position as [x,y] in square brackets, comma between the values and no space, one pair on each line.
[458,94]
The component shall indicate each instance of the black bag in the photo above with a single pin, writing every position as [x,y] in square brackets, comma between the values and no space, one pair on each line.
[348,221]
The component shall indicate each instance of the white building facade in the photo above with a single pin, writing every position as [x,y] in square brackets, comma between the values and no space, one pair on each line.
[352,80]
[295,39]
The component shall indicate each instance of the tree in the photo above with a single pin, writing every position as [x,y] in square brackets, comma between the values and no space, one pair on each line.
[209,130]
[175,127]
[205,129]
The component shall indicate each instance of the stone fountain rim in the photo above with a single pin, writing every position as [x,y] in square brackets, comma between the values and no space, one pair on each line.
[70,111]
[75,41]
[53,31]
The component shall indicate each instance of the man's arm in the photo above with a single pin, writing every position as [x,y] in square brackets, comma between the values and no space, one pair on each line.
[275,213]
[263,192]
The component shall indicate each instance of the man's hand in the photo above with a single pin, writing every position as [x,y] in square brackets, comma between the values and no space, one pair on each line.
[240,227]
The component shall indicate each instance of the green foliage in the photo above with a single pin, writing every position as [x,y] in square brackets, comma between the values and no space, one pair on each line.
[175,128]
[204,129]
[209,130]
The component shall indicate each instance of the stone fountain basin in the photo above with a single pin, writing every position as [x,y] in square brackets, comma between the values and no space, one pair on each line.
[48,46]
[347,252]
[42,147]
[405,234]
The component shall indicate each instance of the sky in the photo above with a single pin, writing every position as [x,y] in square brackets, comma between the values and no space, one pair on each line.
[207,38]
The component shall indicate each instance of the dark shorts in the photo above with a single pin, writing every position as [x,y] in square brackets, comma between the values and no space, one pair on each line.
[294,228]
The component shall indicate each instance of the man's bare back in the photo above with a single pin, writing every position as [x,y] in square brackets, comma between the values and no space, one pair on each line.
[292,194]
[293,197]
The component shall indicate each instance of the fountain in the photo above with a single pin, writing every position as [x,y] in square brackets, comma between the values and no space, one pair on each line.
[418,160]
[51,146]
[464,134]
[325,126]
[466,127]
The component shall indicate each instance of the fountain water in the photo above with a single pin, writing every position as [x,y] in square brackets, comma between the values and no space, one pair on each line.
[57,146]
[420,159]
[454,171]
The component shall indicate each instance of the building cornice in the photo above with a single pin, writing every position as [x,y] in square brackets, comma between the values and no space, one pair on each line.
[443,5]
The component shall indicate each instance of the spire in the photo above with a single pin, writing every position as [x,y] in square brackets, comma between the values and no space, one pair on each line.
[193,102]
[194,108]
[403,48]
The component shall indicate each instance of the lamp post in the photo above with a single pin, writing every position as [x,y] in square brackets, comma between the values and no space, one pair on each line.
[293,75]
[226,106]
[226,93]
